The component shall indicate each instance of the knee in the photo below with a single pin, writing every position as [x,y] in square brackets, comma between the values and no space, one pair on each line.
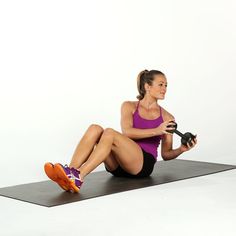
[96,128]
[109,132]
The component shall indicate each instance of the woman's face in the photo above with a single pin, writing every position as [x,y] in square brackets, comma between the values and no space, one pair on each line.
[159,87]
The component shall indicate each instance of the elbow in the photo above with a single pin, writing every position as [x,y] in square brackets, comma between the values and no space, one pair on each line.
[128,133]
[164,157]
[125,132]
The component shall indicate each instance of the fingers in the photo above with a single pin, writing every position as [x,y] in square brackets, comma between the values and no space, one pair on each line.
[165,132]
[193,142]
[188,145]
[166,129]
[170,121]
[170,128]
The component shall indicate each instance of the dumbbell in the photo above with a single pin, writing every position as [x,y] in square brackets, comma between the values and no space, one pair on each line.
[185,138]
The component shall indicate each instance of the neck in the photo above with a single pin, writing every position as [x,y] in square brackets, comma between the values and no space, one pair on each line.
[149,102]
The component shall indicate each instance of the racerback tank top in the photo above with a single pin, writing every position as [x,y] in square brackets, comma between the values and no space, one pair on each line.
[149,144]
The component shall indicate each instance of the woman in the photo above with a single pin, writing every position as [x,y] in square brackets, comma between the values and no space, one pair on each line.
[132,153]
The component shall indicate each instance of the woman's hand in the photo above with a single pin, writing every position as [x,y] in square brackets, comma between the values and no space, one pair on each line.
[183,148]
[162,128]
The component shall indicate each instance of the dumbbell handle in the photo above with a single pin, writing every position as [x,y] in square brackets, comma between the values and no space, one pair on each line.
[175,130]
[179,133]
[185,138]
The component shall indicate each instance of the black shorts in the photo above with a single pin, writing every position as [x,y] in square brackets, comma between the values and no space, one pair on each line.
[148,165]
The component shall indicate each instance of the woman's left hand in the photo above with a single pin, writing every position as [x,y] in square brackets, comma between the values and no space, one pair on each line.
[184,148]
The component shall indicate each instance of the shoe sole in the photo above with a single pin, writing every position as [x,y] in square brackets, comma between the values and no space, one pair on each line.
[62,175]
[51,173]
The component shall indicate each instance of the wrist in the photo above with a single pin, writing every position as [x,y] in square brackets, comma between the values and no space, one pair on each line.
[158,132]
[155,132]
[181,150]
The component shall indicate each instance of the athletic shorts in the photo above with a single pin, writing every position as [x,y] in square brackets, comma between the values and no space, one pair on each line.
[148,165]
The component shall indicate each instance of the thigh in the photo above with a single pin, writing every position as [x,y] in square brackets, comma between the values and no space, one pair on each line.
[127,152]
[147,169]
[110,162]
[148,165]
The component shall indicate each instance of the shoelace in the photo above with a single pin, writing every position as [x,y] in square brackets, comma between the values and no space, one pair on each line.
[71,175]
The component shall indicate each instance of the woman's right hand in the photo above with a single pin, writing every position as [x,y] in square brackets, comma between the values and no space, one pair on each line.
[162,128]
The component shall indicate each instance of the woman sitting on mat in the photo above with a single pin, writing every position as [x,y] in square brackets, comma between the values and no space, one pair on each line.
[132,153]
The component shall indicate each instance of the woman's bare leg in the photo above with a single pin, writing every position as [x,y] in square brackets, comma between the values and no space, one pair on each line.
[127,153]
[86,145]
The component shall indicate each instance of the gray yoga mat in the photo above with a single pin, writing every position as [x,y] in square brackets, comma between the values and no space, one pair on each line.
[96,184]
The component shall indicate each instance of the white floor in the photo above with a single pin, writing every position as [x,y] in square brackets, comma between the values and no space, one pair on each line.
[199,206]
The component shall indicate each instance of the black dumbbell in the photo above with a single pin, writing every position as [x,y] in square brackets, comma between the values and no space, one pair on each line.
[185,138]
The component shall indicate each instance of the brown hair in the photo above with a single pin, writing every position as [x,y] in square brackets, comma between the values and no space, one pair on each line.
[145,76]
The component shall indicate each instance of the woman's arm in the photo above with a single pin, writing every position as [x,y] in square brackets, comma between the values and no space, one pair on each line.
[167,152]
[127,124]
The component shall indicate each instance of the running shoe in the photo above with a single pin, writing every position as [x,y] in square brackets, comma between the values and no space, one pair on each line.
[70,176]
[50,172]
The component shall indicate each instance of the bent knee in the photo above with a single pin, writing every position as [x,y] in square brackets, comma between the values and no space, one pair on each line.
[96,128]
[109,130]
[109,133]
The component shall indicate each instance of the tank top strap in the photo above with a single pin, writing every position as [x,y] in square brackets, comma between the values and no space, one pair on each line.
[137,105]
[160,111]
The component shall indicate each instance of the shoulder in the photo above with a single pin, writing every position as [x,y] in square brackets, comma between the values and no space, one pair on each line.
[128,105]
[167,115]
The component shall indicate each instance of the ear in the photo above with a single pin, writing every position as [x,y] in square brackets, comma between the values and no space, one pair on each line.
[146,86]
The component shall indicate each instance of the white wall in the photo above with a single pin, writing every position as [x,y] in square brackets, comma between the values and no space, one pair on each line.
[65,65]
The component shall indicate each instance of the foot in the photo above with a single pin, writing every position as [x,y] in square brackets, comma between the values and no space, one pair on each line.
[50,172]
[70,176]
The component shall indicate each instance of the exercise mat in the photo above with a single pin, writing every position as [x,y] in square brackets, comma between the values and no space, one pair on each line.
[100,183]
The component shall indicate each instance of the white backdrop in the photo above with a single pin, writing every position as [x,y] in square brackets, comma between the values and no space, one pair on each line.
[65,65]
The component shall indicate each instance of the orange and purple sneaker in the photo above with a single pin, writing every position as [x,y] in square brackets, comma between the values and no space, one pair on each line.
[50,172]
[69,177]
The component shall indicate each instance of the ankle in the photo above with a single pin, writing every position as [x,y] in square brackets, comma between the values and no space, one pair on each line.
[81,174]
[81,177]
[73,166]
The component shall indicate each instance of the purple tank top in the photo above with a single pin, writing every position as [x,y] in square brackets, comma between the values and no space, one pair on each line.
[149,144]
